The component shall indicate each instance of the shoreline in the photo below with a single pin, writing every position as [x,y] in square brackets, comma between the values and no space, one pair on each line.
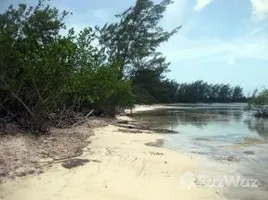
[121,166]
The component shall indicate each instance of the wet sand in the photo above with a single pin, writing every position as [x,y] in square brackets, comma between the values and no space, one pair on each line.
[121,167]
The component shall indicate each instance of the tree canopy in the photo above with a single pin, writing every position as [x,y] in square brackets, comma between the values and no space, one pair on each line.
[132,41]
[201,91]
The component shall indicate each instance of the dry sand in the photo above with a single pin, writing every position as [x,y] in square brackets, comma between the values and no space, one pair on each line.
[122,167]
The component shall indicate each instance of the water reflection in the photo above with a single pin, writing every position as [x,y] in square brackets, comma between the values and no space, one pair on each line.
[202,115]
[258,125]
[196,116]
[221,132]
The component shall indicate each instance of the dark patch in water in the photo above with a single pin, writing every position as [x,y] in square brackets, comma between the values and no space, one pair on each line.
[249,152]
[202,139]
[199,152]
[227,158]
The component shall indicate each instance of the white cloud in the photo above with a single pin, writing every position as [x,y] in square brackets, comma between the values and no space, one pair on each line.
[178,10]
[221,50]
[260,9]
[201,4]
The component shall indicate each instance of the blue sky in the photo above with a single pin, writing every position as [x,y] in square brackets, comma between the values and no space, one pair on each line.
[221,40]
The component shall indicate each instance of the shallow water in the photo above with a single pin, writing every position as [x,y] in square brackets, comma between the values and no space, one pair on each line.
[233,140]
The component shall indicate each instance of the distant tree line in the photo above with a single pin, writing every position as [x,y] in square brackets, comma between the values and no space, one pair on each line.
[169,91]
[200,91]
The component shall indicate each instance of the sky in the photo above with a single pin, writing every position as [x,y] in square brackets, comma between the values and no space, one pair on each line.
[221,41]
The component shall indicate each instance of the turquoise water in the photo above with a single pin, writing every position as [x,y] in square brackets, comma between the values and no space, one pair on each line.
[227,135]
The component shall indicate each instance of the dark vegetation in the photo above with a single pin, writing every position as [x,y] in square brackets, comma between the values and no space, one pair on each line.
[259,103]
[200,91]
[47,77]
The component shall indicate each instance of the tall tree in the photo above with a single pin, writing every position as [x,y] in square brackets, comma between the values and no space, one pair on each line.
[225,93]
[132,42]
[237,94]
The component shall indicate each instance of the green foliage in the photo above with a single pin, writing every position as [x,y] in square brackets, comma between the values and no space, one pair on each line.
[112,91]
[132,42]
[237,93]
[150,86]
[261,99]
[35,63]
[43,72]
[200,91]
[259,103]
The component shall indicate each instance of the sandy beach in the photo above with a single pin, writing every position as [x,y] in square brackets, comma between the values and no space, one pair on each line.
[121,167]
[140,108]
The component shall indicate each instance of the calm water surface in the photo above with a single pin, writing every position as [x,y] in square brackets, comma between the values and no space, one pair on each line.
[235,142]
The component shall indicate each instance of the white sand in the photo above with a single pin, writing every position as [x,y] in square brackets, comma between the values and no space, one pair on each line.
[140,108]
[128,170]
